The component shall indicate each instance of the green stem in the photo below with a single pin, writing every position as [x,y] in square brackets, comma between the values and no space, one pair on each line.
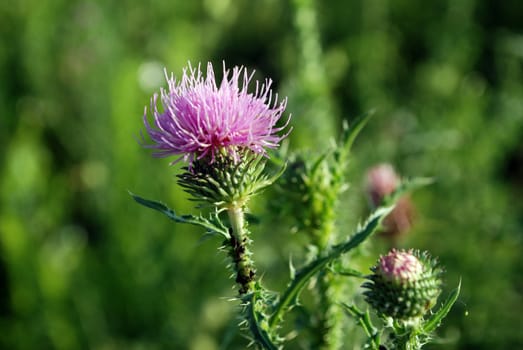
[407,341]
[407,334]
[251,293]
[236,217]
[313,89]
[296,285]
[331,320]
[239,250]
[365,322]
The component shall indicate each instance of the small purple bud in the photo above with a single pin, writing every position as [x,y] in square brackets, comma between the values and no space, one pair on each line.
[404,284]
[399,266]
[382,180]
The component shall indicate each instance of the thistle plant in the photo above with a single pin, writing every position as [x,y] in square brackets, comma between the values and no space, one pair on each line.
[314,189]
[223,133]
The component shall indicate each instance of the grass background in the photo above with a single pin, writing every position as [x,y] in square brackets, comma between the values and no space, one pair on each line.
[84,267]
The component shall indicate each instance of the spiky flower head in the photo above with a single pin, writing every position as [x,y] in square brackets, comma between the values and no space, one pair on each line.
[404,284]
[222,130]
[202,118]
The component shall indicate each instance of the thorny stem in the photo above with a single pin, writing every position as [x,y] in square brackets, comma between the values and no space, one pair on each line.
[237,220]
[239,250]
[331,322]
[245,277]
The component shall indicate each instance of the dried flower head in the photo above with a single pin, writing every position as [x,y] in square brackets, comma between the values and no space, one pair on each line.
[201,119]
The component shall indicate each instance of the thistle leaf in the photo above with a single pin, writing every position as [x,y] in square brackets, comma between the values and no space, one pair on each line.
[212,225]
[292,269]
[436,319]
[408,185]
[305,274]
[347,272]
[350,132]
[254,318]
[363,319]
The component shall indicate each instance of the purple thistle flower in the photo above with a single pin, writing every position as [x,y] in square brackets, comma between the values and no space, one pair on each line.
[201,119]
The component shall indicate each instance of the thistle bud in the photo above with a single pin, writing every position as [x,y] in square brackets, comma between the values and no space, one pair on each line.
[382,180]
[225,181]
[404,285]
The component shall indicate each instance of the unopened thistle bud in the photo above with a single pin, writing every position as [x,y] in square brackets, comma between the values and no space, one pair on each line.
[382,180]
[404,285]
[225,181]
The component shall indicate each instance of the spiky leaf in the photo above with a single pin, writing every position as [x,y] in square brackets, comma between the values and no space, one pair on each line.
[213,225]
[436,319]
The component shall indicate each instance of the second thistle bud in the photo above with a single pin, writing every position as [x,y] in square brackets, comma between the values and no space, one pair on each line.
[404,285]
[382,180]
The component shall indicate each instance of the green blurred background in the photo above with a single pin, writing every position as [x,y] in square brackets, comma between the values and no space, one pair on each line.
[84,267]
